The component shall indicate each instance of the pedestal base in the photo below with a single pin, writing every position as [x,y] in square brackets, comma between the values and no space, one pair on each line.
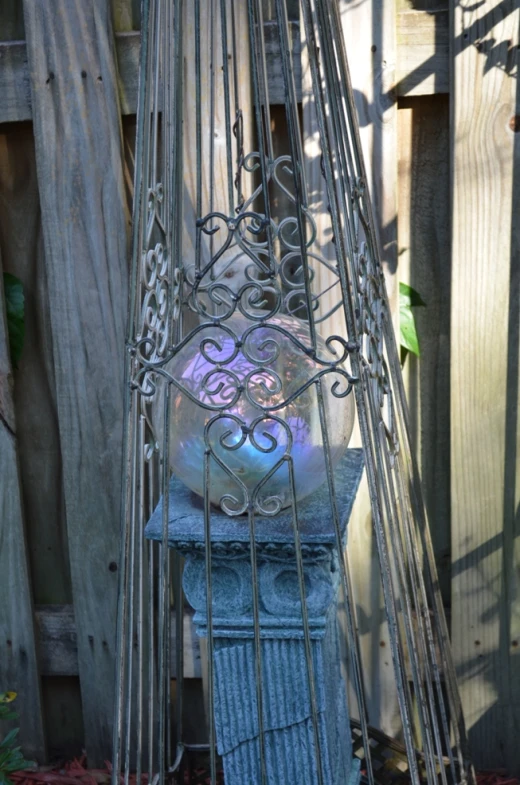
[289,738]
[289,741]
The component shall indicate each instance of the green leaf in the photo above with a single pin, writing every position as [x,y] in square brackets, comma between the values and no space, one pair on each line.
[409,339]
[26,764]
[19,764]
[11,736]
[4,757]
[6,712]
[15,310]
[14,764]
[409,296]
[4,779]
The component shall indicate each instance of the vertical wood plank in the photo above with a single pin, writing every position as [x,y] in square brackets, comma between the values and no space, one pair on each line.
[369,31]
[126,15]
[11,21]
[38,446]
[425,263]
[215,144]
[21,245]
[78,153]
[485,481]
[18,662]
[378,671]
[63,722]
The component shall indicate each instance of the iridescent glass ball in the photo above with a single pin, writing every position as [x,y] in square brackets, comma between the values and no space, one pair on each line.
[244,398]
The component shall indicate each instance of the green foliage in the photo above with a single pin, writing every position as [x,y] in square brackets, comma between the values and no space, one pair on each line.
[6,712]
[409,298]
[15,310]
[11,757]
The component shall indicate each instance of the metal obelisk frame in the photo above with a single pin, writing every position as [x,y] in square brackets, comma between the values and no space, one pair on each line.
[239,403]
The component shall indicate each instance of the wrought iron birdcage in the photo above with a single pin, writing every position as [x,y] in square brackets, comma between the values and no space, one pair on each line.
[257,315]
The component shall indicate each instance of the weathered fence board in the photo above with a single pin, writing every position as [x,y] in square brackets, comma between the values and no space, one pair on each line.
[11,21]
[64,728]
[78,154]
[57,640]
[425,263]
[485,480]
[15,90]
[18,665]
[422,63]
[126,15]
[39,453]
[128,47]
[371,56]
[39,450]
[423,42]
[370,42]
[14,77]
[58,643]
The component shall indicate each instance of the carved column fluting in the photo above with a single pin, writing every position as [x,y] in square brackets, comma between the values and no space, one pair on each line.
[289,739]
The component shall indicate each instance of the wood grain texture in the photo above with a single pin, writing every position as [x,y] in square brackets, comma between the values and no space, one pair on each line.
[214,144]
[377,115]
[126,15]
[15,88]
[18,663]
[422,65]
[39,450]
[215,181]
[378,671]
[58,643]
[425,263]
[369,32]
[78,153]
[485,480]
[57,640]
[128,47]
[275,81]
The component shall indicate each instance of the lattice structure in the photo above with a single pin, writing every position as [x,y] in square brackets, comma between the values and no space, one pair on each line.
[247,347]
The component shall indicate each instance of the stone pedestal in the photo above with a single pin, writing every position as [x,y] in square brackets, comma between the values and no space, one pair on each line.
[290,754]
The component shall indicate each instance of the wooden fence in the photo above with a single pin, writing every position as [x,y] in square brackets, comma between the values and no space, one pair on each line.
[437,95]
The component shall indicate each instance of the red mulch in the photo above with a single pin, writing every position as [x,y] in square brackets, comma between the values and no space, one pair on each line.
[75,773]
[496,778]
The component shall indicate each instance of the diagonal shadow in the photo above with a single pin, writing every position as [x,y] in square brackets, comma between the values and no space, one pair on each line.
[498,55]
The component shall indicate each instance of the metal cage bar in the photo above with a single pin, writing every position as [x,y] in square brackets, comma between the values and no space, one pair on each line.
[205,214]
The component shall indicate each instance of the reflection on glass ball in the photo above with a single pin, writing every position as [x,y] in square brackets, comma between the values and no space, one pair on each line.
[237,374]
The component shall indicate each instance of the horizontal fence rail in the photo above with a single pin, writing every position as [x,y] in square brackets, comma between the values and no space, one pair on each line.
[422,66]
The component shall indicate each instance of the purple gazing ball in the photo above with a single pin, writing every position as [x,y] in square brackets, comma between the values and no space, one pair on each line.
[238,373]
